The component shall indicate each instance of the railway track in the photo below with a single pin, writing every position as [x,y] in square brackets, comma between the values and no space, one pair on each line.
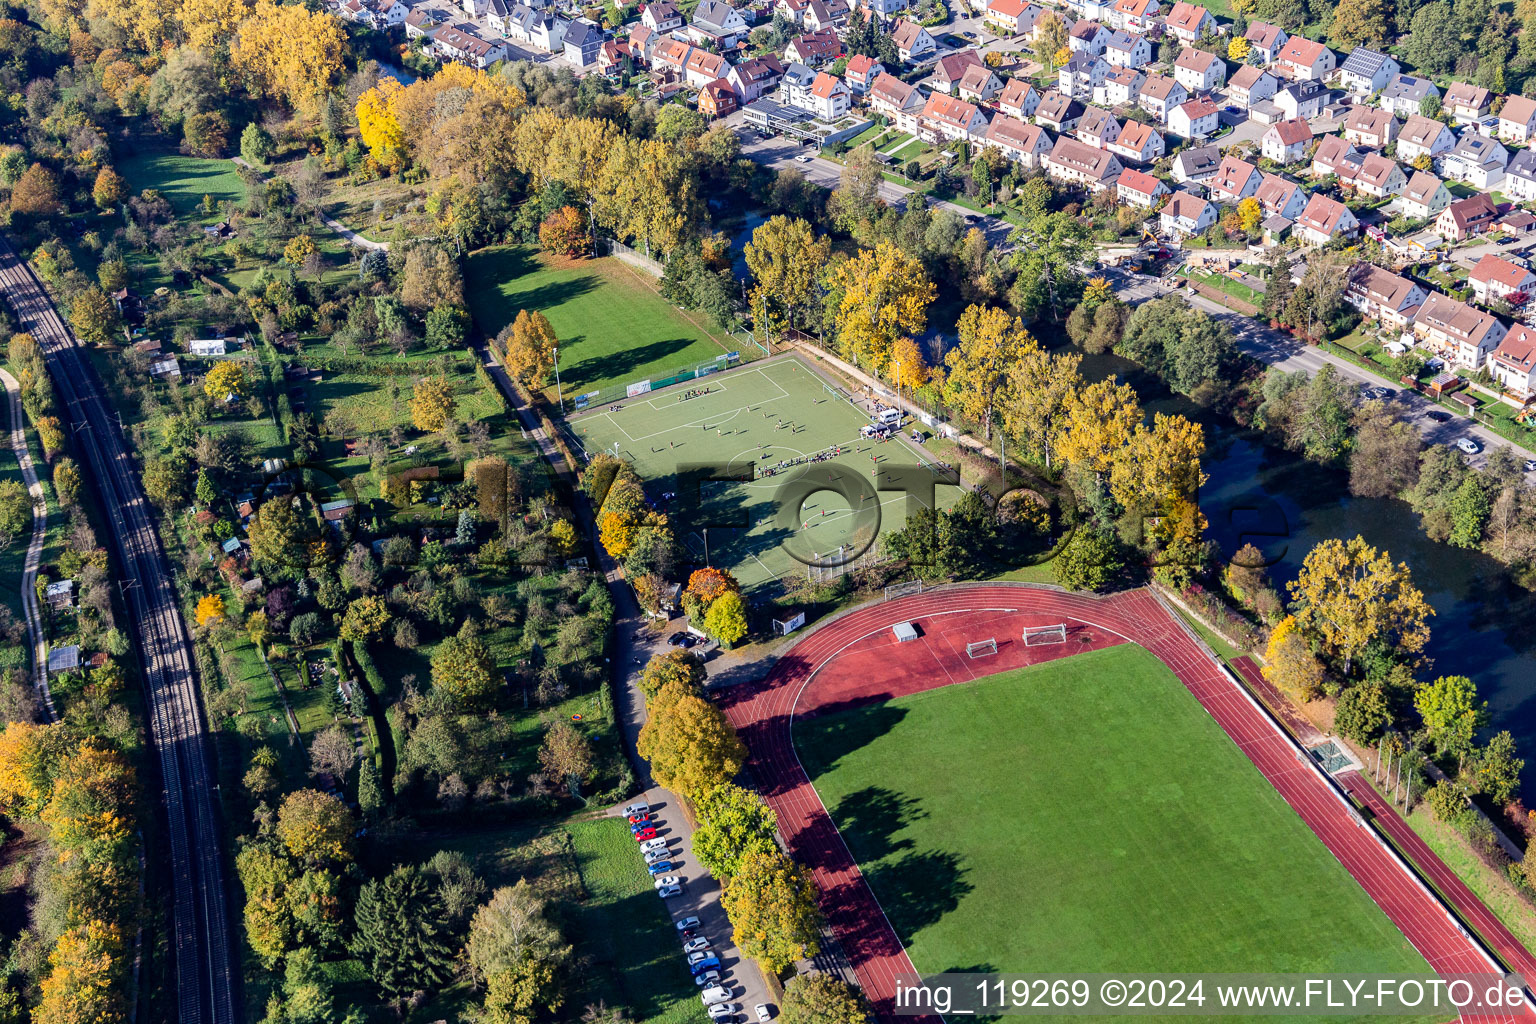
[204,969]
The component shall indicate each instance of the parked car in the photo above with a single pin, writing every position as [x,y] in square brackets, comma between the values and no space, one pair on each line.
[717,994]
[707,979]
[679,639]
[703,966]
[638,809]
[1530,465]
[652,856]
[635,819]
[660,867]
[696,945]
[686,923]
[666,880]
[668,891]
[645,834]
[1468,445]
[802,159]
[764,1015]
[1440,417]
[653,844]
[700,956]
[720,1011]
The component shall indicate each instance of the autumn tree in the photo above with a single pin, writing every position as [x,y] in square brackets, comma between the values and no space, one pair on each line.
[67,481]
[991,341]
[1250,214]
[1237,49]
[786,258]
[1158,463]
[733,822]
[517,952]
[709,583]
[334,751]
[817,998]
[432,403]
[315,827]
[771,903]
[726,619]
[225,378]
[675,666]
[37,193]
[1348,596]
[1036,398]
[564,232]
[1362,23]
[299,249]
[565,753]
[529,348]
[210,610]
[93,316]
[365,619]
[110,188]
[85,977]
[290,53]
[1290,664]
[1100,420]
[880,295]
[463,667]
[379,128]
[690,745]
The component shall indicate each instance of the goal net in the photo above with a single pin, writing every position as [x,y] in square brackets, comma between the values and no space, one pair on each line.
[903,589]
[981,648]
[1036,635]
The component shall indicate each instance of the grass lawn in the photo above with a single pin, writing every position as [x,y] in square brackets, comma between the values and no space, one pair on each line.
[1490,886]
[184,180]
[1121,829]
[1222,282]
[614,327]
[736,427]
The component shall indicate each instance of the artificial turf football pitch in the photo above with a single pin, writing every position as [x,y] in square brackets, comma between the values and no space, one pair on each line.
[1085,815]
[777,416]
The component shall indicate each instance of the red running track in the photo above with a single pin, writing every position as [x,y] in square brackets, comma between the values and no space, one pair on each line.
[851,661]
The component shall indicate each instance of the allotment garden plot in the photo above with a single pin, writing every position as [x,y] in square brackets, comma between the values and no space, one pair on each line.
[766,464]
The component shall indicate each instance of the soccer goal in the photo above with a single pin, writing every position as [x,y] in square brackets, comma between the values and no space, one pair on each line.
[903,589]
[1037,635]
[981,648]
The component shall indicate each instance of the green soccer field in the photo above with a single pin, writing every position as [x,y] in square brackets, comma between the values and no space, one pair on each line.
[613,326]
[751,422]
[1085,815]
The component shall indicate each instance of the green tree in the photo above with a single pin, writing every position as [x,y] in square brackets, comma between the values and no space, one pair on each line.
[733,822]
[93,316]
[512,931]
[447,326]
[1496,768]
[822,999]
[1362,23]
[1363,713]
[15,507]
[256,145]
[462,666]
[402,934]
[1089,562]
[771,904]
[365,619]
[1470,509]
[315,826]
[1452,713]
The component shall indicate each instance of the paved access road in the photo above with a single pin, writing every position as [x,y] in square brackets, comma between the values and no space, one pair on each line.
[34,545]
[204,966]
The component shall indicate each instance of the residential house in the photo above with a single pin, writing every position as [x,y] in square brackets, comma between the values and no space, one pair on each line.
[829,98]
[1088,37]
[1098,128]
[901,103]
[796,85]
[1520,176]
[1325,219]
[1424,197]
[1127,50]
[718,23]
[1081,75]
[1465,218]
[1280,197]
[913,42]
[1404,95]
[611,56]
[1235,180]
[1026,144]
[1423,136]
[861,73]
[1197,164]
[717,99]
[1382,295]
[1135,15]
[950,68]
[1300,99]
[1058,113]
[979,84]
[1013,15]
[1199,71]
[1138,144]
[1286,142]
[1018,99]
[541,29]
[1186,215]
[1160,95]
[421,22]
[1187,22]
[1373,175]
[671,55]
[826,15]
[1370,127]
[1193,119]
[1366,71]
[1476,160]
[946,119]
[1138,188]
[457,43]
[1250,85]
[1513,363]
[1302,60]
[704,67]
[1077,163]
[1466,103]
[207,347]
[1331,153]
[661,17]
[1517,120]
[752,78]
[1265,42]
[1455,331]
[1122,87]
[498,16]
[813,48]
[1495,279]
[642,41]
[584,39]
[791,10]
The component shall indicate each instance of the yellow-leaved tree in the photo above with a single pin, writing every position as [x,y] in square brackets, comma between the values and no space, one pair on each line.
[288,53]
[881,295]
[378,126]
[432,403]
[1349,595]
[210,24]
[1037,395]
[1158,463]
[786,257]
[1290,664]
[224,379]
[1100,420]
[210,609]
[991,341]
[690,745]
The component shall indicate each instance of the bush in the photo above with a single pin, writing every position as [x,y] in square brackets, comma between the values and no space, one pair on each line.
[1449,803]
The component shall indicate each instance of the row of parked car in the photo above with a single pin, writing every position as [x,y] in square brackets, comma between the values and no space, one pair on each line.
[703,963]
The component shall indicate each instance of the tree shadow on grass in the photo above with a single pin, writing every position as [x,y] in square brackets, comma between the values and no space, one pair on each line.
[918,889]
[840,728]
[623,364]
[503,307]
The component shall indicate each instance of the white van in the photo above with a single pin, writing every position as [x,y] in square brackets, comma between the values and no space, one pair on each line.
[714,994]
[888,417]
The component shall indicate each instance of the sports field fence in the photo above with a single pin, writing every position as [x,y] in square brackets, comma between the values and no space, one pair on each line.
[618,393]
[829,573]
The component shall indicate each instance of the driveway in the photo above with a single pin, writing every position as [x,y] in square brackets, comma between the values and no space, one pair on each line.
[1279,349]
